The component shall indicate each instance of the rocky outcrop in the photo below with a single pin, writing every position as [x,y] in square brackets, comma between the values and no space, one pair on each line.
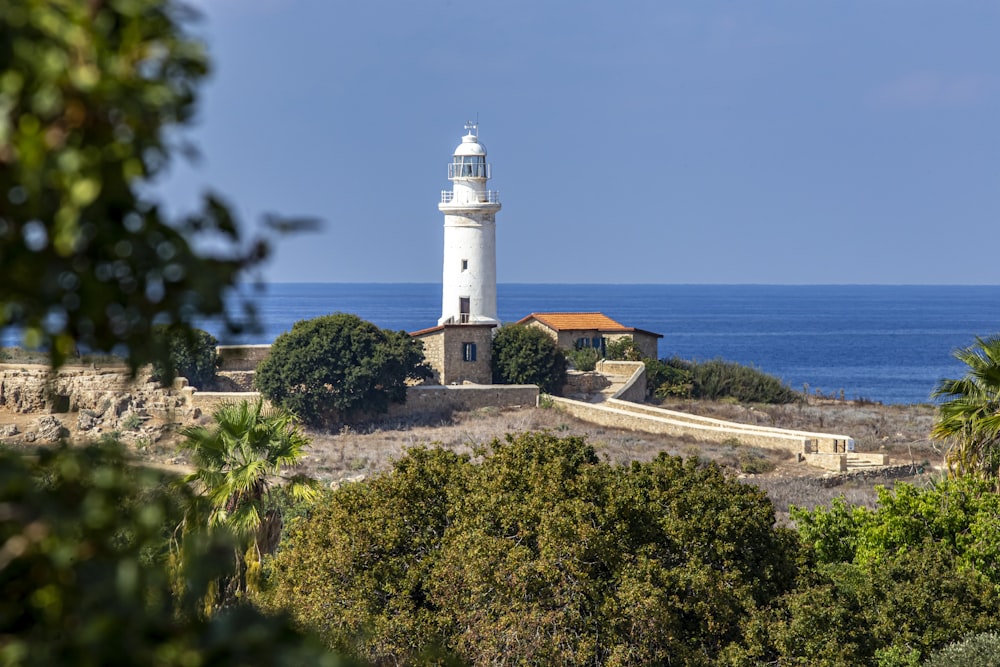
[94,402]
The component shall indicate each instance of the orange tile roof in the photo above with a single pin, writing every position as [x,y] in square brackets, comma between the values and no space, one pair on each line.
[574,321]
[581,321]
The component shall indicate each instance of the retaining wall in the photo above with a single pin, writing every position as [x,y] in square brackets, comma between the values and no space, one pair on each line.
[241,357]
[444,399]
[821,442]
[634,389]
[618,417]
[423,400]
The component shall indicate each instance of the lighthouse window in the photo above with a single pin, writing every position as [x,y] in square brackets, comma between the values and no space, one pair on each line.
[468,351]
[465,265]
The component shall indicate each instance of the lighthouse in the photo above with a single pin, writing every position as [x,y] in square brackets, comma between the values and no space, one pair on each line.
[469,286]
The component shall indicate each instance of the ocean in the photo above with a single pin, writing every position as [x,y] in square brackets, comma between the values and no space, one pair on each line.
[883,343]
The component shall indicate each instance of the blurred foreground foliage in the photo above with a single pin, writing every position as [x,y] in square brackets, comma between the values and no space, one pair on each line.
[90,573]
[93,100]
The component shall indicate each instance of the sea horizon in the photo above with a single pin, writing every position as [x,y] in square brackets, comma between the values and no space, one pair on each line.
[886,343]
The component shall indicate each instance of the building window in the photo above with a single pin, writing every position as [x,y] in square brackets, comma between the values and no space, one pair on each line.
[465,265]
[468,351]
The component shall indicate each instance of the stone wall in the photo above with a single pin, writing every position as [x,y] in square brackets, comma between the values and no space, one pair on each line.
[234,381]
[826,443]
[617,417]
[634,388]
[427,400]
[421,401]
[241,357]
[92,401]
[210,401]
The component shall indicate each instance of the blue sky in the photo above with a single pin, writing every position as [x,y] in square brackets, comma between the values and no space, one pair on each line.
[786,142]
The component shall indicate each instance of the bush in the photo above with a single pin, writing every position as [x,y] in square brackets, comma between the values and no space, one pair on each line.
[584,359]
[974,651]
[714,380]
[717,379]
[894,611]
[339,367]
[623,349]
[526,355]
[192,354]
[669,378]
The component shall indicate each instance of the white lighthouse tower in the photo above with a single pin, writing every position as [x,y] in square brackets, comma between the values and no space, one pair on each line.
[469,288]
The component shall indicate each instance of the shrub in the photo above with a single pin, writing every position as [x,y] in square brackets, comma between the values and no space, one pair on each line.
[623,349]
[973,651]
[717,379]
[192,354]
[526,355]
[583,359]
[338,367]
[714,380]
[890,611]
[669,378]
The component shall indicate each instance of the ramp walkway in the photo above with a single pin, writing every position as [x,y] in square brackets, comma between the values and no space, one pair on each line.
[830,451]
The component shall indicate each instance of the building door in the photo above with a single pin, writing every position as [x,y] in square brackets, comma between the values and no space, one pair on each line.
[464,309]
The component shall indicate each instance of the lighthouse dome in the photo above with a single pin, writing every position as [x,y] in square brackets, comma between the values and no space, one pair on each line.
[470,146]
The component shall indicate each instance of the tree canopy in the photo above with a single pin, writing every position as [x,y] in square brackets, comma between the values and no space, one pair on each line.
[336,367]
[541,553]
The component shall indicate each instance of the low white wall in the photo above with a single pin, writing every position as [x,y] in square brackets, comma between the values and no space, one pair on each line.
[607,414]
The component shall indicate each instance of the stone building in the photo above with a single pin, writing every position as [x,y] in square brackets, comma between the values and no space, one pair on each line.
[458,353]
[596,330]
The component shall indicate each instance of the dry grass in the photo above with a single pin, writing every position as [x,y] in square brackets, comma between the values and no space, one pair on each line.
[899,430]
[356,453]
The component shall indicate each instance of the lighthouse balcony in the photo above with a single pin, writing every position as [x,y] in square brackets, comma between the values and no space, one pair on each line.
[484,197]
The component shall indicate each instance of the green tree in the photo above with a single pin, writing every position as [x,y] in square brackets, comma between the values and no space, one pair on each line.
[337,367]
[961,515]
[527,355]
[93,99]
[893,610]
[540,553]
[235,463]
[86,576]
[969,416]
[193,354]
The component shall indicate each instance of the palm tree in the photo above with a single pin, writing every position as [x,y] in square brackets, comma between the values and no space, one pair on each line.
[236,462]
[970,416]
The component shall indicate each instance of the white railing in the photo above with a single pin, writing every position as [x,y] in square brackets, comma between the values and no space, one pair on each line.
[485,197]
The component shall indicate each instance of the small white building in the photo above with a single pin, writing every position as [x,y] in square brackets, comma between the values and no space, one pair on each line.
[469,281]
